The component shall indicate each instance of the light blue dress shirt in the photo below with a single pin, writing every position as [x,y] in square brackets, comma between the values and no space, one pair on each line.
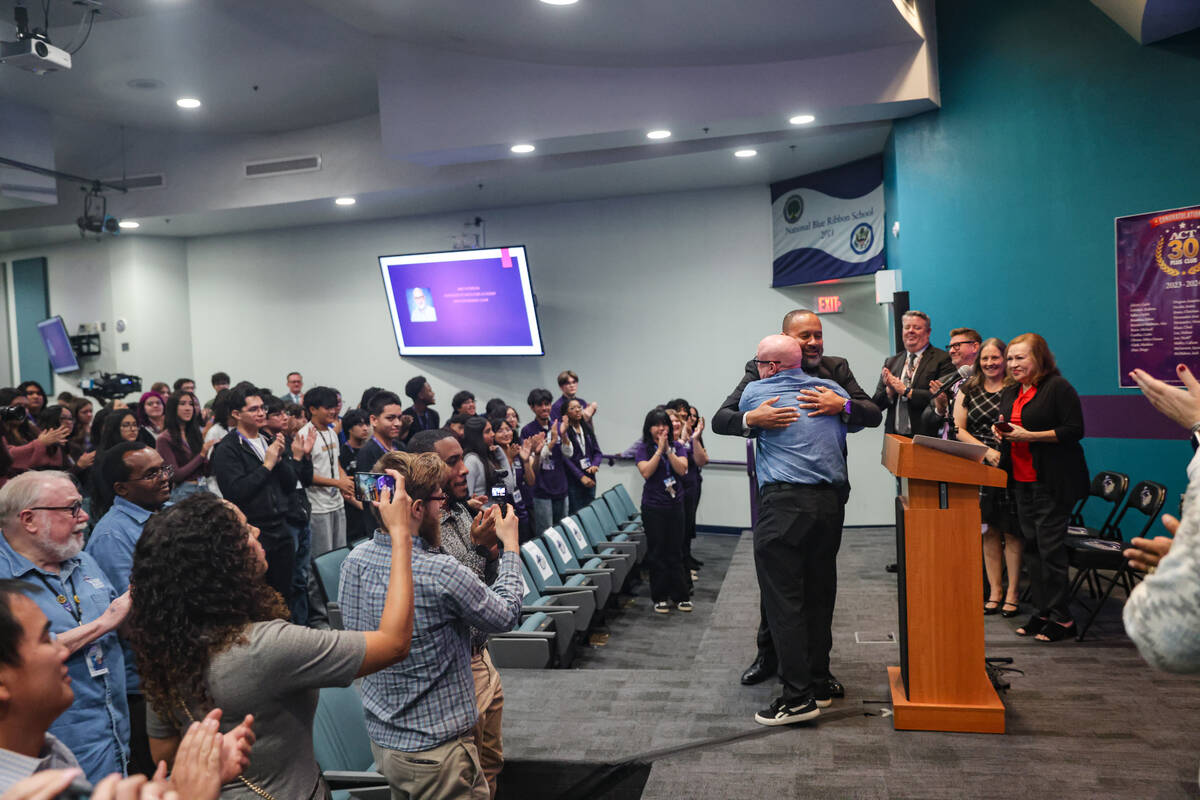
[96,726]
[111,544]
[811,450]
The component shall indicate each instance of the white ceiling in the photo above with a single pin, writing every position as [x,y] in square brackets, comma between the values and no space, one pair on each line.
[457,79]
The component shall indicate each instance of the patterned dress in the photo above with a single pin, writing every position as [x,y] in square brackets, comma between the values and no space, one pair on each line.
[983,409]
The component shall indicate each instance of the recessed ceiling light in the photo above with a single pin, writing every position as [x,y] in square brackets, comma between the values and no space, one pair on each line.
[187,102]
[522,148]
[747,153]
[345,201]
[802,119]
[560,2]
[659,134]
[128,224]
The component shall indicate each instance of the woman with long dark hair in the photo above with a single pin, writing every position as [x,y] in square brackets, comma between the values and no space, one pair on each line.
[208,632]
[584,461]
[691,428]
[662,461]
[1041,425]
[28,448]
[518,462]
[35,398]
[119,425]
[182,445]
[57,455]
[976,410]
[479,454]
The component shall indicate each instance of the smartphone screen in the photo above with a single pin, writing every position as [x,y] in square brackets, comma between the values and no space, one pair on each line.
[367,485]
[1003,427]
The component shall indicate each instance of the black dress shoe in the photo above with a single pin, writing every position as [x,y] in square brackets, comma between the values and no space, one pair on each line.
[759,671]
[834,689]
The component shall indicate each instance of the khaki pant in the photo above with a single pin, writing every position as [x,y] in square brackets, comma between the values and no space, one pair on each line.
[489,700]
[450,771]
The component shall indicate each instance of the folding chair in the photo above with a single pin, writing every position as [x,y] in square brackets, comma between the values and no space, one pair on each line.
[1111,487]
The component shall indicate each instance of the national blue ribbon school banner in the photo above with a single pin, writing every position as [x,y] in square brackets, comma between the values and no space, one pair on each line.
[1158,293]
[829,224]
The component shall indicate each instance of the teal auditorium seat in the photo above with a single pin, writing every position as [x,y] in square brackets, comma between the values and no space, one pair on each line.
[328,567]
[601,535]
[568,566]
[620,563]
[531,645]
[631,510]
[576,590]
[561,612]
[342,747]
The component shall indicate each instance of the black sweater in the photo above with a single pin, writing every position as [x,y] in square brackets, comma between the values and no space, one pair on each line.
[262,494]
[1060,465]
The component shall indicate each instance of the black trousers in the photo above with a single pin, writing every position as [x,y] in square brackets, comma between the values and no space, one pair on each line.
[1043,522]
[664,553]
[280,548]
[140,761]
[796,543]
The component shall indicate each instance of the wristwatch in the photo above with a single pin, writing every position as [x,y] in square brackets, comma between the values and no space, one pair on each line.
[1194,436]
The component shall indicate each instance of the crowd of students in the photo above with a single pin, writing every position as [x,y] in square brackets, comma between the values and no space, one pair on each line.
[206,521]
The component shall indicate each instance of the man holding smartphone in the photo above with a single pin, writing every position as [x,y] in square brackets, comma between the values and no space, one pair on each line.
[426,715]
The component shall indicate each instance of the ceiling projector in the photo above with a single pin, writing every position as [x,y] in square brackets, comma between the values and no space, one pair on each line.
[34,55]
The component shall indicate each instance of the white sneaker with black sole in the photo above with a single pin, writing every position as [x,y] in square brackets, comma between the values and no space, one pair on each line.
[782,713]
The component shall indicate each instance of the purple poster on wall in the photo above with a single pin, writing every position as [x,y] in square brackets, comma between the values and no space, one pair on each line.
[462,302]
[1158,293]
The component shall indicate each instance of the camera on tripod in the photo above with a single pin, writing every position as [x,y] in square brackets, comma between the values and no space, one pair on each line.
[111,385]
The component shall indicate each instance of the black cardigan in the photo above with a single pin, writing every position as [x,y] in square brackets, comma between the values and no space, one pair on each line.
[1060,465]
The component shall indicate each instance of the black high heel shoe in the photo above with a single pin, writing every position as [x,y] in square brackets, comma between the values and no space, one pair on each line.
[1004,612]
[1057,631]
[1033,627]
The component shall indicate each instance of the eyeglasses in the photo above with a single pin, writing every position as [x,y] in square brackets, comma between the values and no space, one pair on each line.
[766,361]
[74,508]
[437,498]
[956,345]
[165,471]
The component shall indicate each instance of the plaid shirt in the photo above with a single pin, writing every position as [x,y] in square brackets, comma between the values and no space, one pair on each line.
[428,698]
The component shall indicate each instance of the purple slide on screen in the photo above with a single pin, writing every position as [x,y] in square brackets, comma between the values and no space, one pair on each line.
[463,302]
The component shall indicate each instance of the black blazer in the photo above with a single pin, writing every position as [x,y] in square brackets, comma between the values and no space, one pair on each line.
[1060,465]
[933,364]
[863,412]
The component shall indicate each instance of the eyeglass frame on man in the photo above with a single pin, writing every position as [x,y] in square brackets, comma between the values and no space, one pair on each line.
[166,470]
[74,508]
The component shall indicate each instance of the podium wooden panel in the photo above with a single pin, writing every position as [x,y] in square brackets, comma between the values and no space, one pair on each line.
[941,683]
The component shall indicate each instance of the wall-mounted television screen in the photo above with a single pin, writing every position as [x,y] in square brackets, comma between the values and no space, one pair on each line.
[58,345]
[462,303]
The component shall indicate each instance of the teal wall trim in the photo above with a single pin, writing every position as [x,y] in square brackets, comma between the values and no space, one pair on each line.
[31,299]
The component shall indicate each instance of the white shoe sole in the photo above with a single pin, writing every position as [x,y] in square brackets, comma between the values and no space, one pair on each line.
[664,610]
[824,703]
[788,720]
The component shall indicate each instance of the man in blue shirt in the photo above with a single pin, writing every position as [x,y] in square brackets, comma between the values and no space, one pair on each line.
[802,484]
[43,523]
[421,713]
[140,484]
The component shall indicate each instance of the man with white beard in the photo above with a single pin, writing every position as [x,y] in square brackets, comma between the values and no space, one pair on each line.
[42,544]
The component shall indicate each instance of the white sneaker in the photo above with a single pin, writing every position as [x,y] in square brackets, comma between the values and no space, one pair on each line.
[684,605]
[663,608]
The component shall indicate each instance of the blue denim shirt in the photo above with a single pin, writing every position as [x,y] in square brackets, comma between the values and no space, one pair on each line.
[111,544]
[96,726]
[811,450]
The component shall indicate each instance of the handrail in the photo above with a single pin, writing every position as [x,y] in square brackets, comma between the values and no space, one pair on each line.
[719,462]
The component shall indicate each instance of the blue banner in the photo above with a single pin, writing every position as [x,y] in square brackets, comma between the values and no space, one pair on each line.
[829,224]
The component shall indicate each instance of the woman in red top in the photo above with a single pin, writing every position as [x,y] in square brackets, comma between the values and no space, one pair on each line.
[1048,474]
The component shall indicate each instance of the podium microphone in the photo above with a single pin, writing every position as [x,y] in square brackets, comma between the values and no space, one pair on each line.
[952,379]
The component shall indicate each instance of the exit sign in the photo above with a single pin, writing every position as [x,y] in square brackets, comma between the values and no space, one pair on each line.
[830,304]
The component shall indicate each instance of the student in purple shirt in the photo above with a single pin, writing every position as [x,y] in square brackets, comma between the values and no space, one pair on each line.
[662,462]
[568,383]
[584,462]
[550,490]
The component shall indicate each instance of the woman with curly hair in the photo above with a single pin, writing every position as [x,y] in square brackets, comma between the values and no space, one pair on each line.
[210,633]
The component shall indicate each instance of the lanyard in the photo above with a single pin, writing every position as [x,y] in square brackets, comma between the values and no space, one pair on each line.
[75,611]
[261,456]
[383,446]
[332,451]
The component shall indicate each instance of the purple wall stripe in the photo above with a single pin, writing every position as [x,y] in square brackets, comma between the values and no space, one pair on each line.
[1126,416]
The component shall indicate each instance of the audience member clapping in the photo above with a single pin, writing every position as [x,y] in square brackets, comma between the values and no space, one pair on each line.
[182,445]
[210,633]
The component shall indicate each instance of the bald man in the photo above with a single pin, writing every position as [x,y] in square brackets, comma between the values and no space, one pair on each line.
[859,411]
[802,485]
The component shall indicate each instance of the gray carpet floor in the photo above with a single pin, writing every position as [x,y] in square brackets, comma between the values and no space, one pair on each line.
[1084,719]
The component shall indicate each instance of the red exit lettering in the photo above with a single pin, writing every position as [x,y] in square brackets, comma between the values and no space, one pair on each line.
[831,304]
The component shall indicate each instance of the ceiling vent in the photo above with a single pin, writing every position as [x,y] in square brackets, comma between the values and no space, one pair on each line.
[282,166]
[136,183]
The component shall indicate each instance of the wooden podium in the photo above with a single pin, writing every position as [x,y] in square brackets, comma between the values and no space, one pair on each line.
[941,683]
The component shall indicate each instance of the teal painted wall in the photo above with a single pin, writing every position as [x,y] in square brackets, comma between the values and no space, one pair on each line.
[1053,122]
[31,298]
